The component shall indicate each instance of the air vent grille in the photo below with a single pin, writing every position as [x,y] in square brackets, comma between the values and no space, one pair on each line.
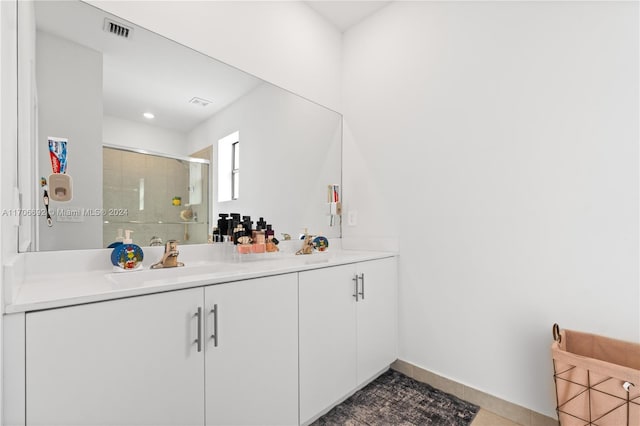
[199,101]
[117,29]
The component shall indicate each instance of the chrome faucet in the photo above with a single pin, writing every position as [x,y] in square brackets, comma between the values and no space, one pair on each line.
[155,241]
[170,256]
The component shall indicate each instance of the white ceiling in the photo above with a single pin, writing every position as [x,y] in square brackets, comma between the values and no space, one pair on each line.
[345,14]
[147,72]
[150,73]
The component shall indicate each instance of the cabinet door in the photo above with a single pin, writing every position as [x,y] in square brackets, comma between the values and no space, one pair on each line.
[377,313]
[252,365]
[124,362]
[327,338]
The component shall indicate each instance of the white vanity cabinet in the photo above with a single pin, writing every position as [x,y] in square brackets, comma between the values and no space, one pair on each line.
[327,321]
[347,320]
[377,316]
[121,362]
[152,360]
[266,349]
[252,352]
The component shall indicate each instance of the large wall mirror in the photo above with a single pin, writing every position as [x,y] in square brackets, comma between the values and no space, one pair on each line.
[159,138]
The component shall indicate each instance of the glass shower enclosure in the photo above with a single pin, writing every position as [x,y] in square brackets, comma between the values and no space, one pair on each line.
[158,197]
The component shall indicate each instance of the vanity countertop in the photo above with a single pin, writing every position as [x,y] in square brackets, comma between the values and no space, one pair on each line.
[51,288]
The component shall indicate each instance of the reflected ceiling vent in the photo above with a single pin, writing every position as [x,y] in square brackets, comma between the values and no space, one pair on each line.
[118,30]
[199,101]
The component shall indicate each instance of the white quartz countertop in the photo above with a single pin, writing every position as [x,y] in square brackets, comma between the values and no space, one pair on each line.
[43,286]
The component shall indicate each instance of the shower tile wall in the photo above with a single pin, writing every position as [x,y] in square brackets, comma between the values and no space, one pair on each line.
[144,186]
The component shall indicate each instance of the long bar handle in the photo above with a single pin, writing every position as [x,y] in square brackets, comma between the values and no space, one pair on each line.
[214,336]
[362,286]
[199,338]
[355,294]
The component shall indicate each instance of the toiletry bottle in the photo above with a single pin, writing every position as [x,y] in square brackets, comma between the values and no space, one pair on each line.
[271,242]
[243,242]
[269,231]
[248,225]
[127,255]
[259,242]
[222,225]
[230,229]
[238,231]
[232,224]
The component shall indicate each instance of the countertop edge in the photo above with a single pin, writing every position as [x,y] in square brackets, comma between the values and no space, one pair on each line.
[344,257]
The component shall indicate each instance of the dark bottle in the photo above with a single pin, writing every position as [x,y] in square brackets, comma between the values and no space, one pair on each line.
[222,224]
[247,224]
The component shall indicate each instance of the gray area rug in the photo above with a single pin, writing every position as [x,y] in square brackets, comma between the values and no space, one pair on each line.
[395,399]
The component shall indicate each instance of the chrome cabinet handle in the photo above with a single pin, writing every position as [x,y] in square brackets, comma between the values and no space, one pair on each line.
[362,286]
[198,341]
[214,336]
[355,294]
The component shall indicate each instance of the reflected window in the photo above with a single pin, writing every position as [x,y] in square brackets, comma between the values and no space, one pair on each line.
[235,170]
[229,167]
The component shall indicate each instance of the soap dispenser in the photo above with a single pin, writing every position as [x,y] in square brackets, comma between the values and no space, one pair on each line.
[127,256]
[118,241]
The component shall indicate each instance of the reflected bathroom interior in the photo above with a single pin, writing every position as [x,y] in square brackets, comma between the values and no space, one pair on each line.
[290,145]
[159,198]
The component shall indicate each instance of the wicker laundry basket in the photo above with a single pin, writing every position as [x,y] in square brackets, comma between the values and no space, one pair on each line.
[597,379]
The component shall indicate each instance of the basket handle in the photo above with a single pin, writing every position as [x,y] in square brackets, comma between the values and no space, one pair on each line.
[556,333]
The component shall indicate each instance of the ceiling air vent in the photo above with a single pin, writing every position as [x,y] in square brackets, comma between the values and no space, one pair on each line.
[119,30]
[199,101]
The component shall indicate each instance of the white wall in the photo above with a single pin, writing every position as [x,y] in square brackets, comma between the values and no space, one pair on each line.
[28,178]
[8,155]
[498,142]
[69,80]
[127,133]
[289,153]
[283,42]
[8,125]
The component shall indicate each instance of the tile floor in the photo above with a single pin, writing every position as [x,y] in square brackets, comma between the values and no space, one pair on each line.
[487,418]
[518,416]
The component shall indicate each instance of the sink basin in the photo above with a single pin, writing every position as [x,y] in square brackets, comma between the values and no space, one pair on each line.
[311,260]
[189,272]
[317,257]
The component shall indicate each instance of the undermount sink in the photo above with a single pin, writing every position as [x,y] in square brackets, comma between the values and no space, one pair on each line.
[196,270]
[312,260]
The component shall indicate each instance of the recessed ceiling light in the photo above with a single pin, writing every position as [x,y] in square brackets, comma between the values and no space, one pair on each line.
[148,115]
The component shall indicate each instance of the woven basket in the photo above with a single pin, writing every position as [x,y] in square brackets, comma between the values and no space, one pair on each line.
[597,379]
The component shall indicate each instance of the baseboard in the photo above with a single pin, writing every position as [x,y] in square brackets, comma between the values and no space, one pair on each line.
[506,409]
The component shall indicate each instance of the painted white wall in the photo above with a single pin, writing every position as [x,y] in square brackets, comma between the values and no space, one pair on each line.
[283,42]
[498,142]
[8,126]
[289,153]
[69,79]
[127,133]
[28,179]
[8,154]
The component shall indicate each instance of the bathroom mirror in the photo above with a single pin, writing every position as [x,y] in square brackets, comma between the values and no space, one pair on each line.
[95,80]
